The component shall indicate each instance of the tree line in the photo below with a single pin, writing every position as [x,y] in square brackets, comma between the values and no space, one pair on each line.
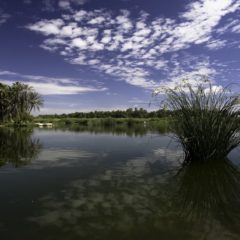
[17,101]
[129,113]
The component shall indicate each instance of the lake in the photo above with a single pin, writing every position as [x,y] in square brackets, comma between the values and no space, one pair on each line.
[112,184]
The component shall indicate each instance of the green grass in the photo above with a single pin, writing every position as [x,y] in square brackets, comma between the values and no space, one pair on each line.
[96,121]
[206,121]
[121,125]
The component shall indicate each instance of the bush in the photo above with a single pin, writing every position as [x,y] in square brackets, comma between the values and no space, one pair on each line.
[108,122]
[206,123]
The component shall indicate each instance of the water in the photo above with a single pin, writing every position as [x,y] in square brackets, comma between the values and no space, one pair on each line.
[112,184]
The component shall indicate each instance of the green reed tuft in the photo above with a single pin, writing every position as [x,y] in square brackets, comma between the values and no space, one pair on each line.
[206,120]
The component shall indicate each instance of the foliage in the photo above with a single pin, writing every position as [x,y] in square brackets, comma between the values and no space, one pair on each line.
[17,102]
[118,114]
[206,123]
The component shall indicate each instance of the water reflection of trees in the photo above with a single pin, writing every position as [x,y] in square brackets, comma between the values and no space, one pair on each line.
[133,130]
[17,146]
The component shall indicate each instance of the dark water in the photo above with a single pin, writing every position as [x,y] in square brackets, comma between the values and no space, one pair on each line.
[112,184]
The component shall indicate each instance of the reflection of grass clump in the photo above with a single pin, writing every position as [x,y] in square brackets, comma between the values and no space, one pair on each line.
[206,120]
[210,191]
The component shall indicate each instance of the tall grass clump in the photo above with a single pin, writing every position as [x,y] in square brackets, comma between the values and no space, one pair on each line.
[206,119]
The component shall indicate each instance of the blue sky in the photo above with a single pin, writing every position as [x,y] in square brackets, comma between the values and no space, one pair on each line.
[84,55]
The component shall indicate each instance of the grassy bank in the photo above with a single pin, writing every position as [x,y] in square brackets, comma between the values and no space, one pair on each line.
[101,121]
[126,126]
[98,124]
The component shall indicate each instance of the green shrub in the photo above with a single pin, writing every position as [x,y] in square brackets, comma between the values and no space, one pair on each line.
[108,122]
[206,121]
[83,122]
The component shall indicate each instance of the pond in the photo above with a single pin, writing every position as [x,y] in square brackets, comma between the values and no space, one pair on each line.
[112,184]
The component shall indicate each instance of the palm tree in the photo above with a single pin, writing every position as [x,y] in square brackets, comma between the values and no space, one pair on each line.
[25,99]
[4,102]
[35,101]
[17,101]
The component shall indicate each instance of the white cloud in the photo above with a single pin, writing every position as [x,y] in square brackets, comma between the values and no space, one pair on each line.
[97,46]
[3,17]
[201,19]
[47,27]
[97,20]
[106,39]
[215,89]
[51,89]
[49,5]
[55,89]
[78,42]
[67,31]
[230,25]
[216,44]
[193,75]
[37,78]
[50,85]
[136,100]
[124,21]
[79,2]
[130,50]
[127,46]
[53,5]
[236,28]
[27,2]
[66,4]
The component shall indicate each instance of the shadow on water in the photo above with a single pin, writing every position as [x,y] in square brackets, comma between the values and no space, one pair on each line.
[18,147]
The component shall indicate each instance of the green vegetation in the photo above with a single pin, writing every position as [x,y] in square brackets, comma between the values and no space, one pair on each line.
[129,113]
[206,123]
[129,126]
[121,119]
[17,102]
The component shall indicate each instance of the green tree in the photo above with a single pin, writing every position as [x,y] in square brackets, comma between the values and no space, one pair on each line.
[4,102]
[17,101]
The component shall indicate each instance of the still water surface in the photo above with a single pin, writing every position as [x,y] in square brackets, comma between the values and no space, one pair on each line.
[62,184]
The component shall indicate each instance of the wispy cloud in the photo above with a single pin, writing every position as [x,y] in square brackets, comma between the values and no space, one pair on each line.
[67,4]
[217,44]
[232,25]
[53,5]
[27,1]
[132,49]
[3,17]
[50,85]
[54,89]
[49,5]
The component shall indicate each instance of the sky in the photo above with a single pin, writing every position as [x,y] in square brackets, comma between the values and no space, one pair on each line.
[86,55]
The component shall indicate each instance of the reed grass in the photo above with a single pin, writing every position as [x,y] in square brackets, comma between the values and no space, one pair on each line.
[206,120]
